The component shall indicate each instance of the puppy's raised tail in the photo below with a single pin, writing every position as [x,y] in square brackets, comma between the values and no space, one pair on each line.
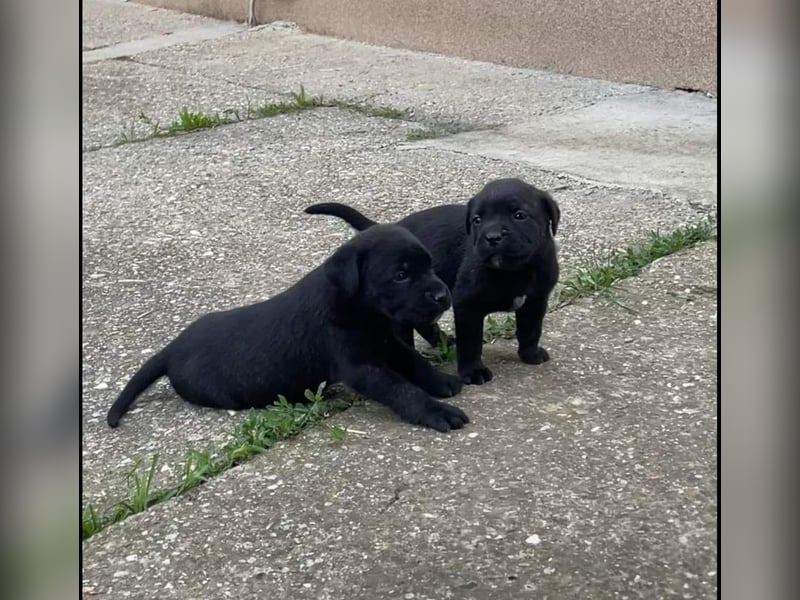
[155,367]
[354,218]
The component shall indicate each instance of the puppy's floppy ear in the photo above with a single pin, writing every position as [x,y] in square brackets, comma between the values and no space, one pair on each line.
[470,206]
[552,211]
[343,269]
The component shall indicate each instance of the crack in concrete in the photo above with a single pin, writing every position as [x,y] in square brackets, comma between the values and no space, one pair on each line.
[158,42]
[401,487]
[98,47]
[448,127]
[563,110]
[697,205]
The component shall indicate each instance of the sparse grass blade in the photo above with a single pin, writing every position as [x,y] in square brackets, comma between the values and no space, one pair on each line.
[91,522]
[503,327]
[260,430]
[337,434]
[139,485]
[424,134]
[602,275]
[384,112]
[189,121]
[630,262]
[443,354]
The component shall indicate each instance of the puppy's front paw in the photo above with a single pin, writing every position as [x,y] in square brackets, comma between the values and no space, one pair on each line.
[476,374]
[442,417]
[446,386]
[535,355]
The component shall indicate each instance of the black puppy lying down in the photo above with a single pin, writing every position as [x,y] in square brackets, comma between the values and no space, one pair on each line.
[334,325]
[495,254]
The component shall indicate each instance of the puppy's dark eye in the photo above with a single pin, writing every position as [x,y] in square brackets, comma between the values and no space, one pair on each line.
[520,216]
[476,220]
[401,275]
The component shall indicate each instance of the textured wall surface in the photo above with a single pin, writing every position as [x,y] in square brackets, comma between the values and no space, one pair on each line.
[667,43]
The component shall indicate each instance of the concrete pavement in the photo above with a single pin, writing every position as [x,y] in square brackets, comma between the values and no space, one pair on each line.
[592,476]
[607,453]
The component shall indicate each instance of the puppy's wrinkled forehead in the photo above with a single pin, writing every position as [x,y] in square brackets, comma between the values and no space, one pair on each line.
[507,191]
[394,245]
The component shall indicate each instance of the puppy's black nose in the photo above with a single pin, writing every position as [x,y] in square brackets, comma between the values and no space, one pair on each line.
[493,237]
[439,296]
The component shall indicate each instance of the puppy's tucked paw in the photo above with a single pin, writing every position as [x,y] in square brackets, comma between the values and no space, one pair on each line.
[534,355]
[445,386]
[476,374]
[442,417]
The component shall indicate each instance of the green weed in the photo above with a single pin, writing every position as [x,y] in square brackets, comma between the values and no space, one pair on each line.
[603,274]
[371,110]
[501,327]
[444,353]
[260,430]
[337,434]
[188,120]
[630,262]
[424,134]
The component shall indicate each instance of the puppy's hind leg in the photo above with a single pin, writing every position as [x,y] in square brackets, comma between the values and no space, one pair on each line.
[203,390]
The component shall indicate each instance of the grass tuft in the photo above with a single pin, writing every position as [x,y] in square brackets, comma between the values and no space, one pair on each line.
[260,430]
[337,434]
[601,276]
[631,261]
[443,354]
[188,121]
[424,134]
[500,327]
[300,102]
[383,112]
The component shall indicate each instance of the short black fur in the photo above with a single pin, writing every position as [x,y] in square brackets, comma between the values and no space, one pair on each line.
[337,324]
[497,253]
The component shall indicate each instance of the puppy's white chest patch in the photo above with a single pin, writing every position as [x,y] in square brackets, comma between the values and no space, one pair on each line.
[518,302]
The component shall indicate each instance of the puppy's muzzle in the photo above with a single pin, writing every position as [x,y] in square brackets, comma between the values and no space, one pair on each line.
[440,296]
[493,238]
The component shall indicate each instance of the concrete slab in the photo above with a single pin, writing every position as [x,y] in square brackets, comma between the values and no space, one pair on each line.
[108,22]
[590,476]
[435,88]
[658,139]
[186,36]
[117,92]
[174,228]
[616,134]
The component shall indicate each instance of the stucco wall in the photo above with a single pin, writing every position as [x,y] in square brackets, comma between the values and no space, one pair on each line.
[667,43]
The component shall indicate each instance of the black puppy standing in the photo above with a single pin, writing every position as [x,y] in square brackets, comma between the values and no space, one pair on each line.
[334,325]
[495,254]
